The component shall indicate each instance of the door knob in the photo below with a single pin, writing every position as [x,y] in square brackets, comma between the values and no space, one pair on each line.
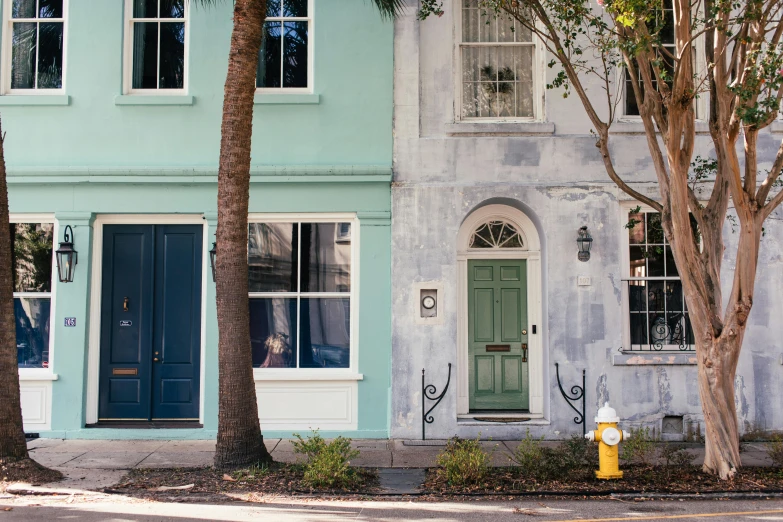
[154,359]
[125,304]
[524,332]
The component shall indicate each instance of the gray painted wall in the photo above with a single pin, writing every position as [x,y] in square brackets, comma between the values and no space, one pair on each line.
[559,181]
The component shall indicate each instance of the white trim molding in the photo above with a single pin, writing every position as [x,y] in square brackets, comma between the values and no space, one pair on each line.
[531,252]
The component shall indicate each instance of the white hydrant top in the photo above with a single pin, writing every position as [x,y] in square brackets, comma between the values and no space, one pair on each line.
[607,414]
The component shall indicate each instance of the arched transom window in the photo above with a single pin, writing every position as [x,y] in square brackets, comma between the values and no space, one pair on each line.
[496,233]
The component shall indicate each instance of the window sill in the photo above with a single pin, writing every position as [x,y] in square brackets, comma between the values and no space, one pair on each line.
[524,128]
[286,99]
[35,99]
[36,374]
[654,358]
[260,375]
[635,126]
[142,99]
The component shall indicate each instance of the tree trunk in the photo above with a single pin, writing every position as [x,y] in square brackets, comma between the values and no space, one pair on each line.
[239,439]
[12,440]
[716,388]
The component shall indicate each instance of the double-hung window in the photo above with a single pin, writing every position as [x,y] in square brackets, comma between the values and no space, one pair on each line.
[284,63]
[156,46]
[498,60]
[32,259]
[657,317]
[33,45]
[300,277]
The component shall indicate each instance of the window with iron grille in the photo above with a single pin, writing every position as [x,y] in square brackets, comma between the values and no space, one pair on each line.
[657,315]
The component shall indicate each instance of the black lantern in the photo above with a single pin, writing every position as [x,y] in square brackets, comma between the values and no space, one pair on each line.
[66,256]
[585,242]
[212,256]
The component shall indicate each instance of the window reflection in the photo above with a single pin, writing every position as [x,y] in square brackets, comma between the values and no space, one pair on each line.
[158,46]
[37,46]
[325,339]
[32,256]
[326,260]
[32,331]
[272,255]
[272,332]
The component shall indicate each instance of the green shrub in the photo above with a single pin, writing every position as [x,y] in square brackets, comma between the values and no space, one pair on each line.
[775,450]
[575,457]
[675,456]
[639,448]
[463,462]
[328,464]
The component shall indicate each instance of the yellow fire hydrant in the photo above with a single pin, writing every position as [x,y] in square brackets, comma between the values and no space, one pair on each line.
[608,437]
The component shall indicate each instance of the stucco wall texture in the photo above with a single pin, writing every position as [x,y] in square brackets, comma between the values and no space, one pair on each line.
[558,180]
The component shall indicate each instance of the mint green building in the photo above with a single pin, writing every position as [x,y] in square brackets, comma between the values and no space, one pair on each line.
[112,110]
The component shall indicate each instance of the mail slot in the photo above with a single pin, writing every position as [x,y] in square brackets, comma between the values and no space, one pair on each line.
[125,371]
[498,347]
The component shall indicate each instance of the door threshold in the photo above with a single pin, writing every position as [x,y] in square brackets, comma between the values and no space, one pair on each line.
[147,425]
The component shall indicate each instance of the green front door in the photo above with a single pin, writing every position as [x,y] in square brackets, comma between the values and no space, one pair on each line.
[498,336]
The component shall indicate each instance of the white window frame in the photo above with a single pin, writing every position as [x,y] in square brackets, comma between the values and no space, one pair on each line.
[43,218]
[700,103]
[350,373]
[128,53]
[627,348]
[7,51]
[310,19]
[539,74]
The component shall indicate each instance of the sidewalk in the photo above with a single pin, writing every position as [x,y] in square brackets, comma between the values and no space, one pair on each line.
[92,464]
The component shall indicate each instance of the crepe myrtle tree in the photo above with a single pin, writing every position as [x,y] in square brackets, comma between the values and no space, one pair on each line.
[239,438]
[739,43]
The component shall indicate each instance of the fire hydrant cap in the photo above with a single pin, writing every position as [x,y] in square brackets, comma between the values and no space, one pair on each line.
[607,414]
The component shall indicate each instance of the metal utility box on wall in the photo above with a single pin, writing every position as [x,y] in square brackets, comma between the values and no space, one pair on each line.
[427,300]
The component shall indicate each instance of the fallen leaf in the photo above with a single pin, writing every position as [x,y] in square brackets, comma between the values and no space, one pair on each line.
[7,509]
[228,478]
[170,488]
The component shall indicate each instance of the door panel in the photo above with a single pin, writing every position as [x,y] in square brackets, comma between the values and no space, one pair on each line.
[150,322]
[497,313]
[484,329]
[177,340]
[510,320]
[126,322]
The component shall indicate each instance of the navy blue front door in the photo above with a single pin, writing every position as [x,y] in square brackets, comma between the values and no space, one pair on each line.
[150,322]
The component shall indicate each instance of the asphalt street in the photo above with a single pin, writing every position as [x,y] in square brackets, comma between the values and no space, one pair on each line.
[118,509]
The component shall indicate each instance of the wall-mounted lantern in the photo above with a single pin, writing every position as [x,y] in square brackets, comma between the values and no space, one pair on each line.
[585,242]
[212,258]
[66,256]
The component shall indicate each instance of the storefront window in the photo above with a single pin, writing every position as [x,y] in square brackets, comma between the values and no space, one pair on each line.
[300,294]
[32,281]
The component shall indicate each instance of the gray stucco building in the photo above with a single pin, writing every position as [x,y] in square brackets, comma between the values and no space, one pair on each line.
[493,177]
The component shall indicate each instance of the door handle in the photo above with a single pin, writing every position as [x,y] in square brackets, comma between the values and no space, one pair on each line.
[125,304]
[155,359]
[524,352]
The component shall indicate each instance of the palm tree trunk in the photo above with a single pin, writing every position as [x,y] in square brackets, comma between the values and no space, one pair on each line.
[239,439]
[12,439]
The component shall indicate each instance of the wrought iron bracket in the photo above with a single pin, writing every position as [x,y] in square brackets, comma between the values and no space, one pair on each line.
[429,392]
[577,394]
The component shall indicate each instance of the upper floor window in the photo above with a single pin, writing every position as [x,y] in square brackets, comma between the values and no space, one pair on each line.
[156,45]
[498,59]
[285,57]
[300,282]
[31,263]
[33,45]
[667,50]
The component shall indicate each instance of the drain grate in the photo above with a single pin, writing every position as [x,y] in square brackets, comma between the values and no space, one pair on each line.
[503,420]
